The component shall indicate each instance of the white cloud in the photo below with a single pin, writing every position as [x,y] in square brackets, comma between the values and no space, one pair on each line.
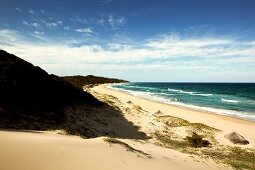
[33,24]
[31,11]
[51,24]
[67,28]
[25,22]
[59,22]
[120,20]
[84,30]
[116,22]
[7,36]
[164,54]
[18,9]
[170,41]
[118,46]
[39,33]
[101,21]
[78,19]
[111,21]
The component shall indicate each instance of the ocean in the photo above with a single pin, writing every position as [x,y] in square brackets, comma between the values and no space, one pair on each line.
[232,99]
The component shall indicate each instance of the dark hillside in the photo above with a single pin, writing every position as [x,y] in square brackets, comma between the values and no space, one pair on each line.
[80,81]
[29,95]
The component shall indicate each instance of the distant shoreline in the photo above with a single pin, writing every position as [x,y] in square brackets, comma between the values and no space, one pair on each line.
[226,123]
[186,106]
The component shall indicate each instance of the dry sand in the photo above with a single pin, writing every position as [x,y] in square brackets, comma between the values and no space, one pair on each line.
[47,151]
[32,150]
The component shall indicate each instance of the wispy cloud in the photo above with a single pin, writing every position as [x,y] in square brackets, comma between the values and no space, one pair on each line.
[39,33]
[120,20]
[101,21]
[67,28]
[51,24]
[42,18]
[116,22]
[11,35]
[59,22]
[217,48]
[165,54]
[33,24]
[42,11]
[78,19]
[31,11]
[18,9]
[84,30]
[109,22]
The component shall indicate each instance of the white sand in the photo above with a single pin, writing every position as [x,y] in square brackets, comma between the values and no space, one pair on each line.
[46,151]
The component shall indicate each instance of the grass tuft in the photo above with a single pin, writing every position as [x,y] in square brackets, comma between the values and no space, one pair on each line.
[171,143]
[172,121]
[197,141]
[236,157]
[128,147]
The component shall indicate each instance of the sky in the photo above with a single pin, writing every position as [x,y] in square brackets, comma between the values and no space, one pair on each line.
[135,40]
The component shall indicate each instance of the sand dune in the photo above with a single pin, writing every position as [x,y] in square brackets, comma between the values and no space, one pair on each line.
[32,150]
[41,151]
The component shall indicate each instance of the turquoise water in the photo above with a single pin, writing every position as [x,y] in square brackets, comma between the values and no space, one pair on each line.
[233,99]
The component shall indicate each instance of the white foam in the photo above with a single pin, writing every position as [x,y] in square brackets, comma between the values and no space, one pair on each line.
[181,91]
[167,94]
[230,101]
[189,92]
[198,94]
[174,101]
[174,90]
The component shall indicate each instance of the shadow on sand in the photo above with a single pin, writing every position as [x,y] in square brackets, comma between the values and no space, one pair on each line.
[101,121]
[83,120]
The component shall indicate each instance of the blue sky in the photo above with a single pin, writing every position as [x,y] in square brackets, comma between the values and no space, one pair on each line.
[137,40]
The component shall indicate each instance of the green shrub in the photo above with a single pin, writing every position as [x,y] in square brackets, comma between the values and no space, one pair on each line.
[197,141]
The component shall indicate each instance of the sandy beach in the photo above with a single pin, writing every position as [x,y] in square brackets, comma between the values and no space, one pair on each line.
[225,123]
[127,85]
[50,150]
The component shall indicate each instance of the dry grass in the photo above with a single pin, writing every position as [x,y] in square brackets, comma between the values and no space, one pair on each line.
[172,123]
[128,147]
[236,157]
